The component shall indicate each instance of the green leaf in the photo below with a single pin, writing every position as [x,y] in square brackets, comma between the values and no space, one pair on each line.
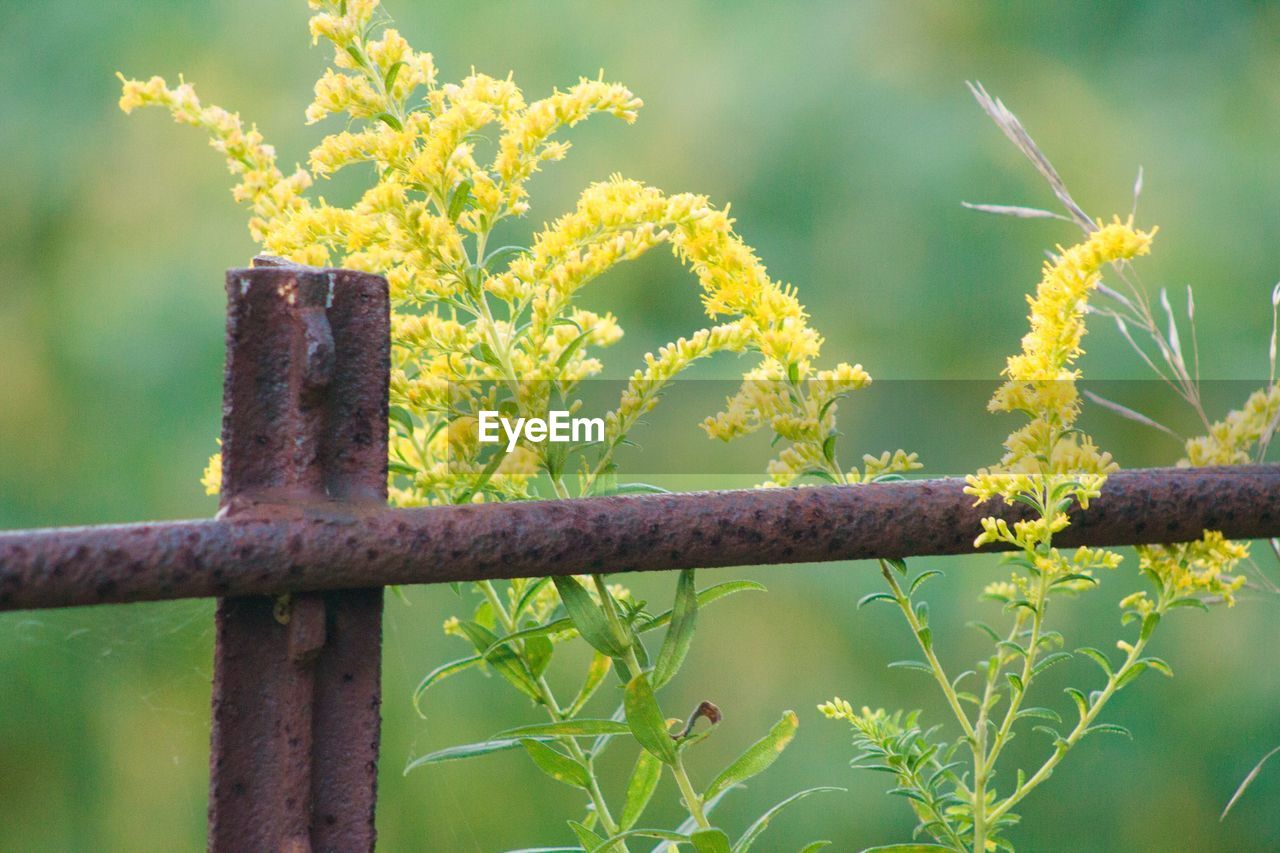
[1130,674]
[599,668]
[899,565]
[389,120]
[905,848]
[922,612]
[710,841]
[757,757]
[456,753]
[676,644]
[589,618]
[574,345]
[920,579]
[588,839]
[567,728]
[1040,713]
[876,596]
[1011,646]
[1075,577]
[984,628]
[557,765]
[1082,704]
[1159,665]
[756,829]
[537,655]
[829,448]
[1048,661]
[401,418]
[1051,638]
[1015,681]
[1188,601]
[504,661]
[644,781]
[1149,623]
[500,255]
[389,79]
[1109,729]
[660,834]
[527,596]
[1097,657]
[439,674]
[1050,731]
[646,720]
[458,199]
[708,595]
[916,665]
[814,846]
[556,627]
[630,489]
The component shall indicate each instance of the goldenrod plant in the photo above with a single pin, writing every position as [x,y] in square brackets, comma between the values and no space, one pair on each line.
[1241,436]
[481,325]
[1049,467]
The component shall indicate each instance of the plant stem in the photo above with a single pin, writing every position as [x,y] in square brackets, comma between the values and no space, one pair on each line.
[939,674]
[557,715]
[1077,733]
[692,801]
[1028,664]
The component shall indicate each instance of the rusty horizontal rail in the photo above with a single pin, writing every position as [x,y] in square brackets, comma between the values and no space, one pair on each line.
[328,546]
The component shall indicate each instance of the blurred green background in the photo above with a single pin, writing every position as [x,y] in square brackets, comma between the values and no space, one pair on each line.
[844,137]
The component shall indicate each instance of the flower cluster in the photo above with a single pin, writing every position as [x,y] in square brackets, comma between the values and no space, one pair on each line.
[1206,567]
[1201,570]
[1230,440]
[483,327]
[1048,463]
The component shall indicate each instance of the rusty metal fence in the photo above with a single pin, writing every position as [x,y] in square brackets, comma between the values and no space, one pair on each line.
[304,543]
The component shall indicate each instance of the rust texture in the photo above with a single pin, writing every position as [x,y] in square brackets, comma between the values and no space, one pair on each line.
[322,545]
[293,762]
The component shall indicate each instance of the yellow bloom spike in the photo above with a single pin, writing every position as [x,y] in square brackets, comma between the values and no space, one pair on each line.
[1047,461]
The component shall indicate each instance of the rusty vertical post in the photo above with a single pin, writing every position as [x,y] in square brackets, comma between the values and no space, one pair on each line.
[296,687]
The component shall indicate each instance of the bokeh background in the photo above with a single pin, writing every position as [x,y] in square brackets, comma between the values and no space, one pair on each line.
[843,136]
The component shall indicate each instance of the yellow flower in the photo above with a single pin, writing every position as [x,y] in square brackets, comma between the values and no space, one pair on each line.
[480,326]
[211,479]
[1201,568]
[1048,461]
